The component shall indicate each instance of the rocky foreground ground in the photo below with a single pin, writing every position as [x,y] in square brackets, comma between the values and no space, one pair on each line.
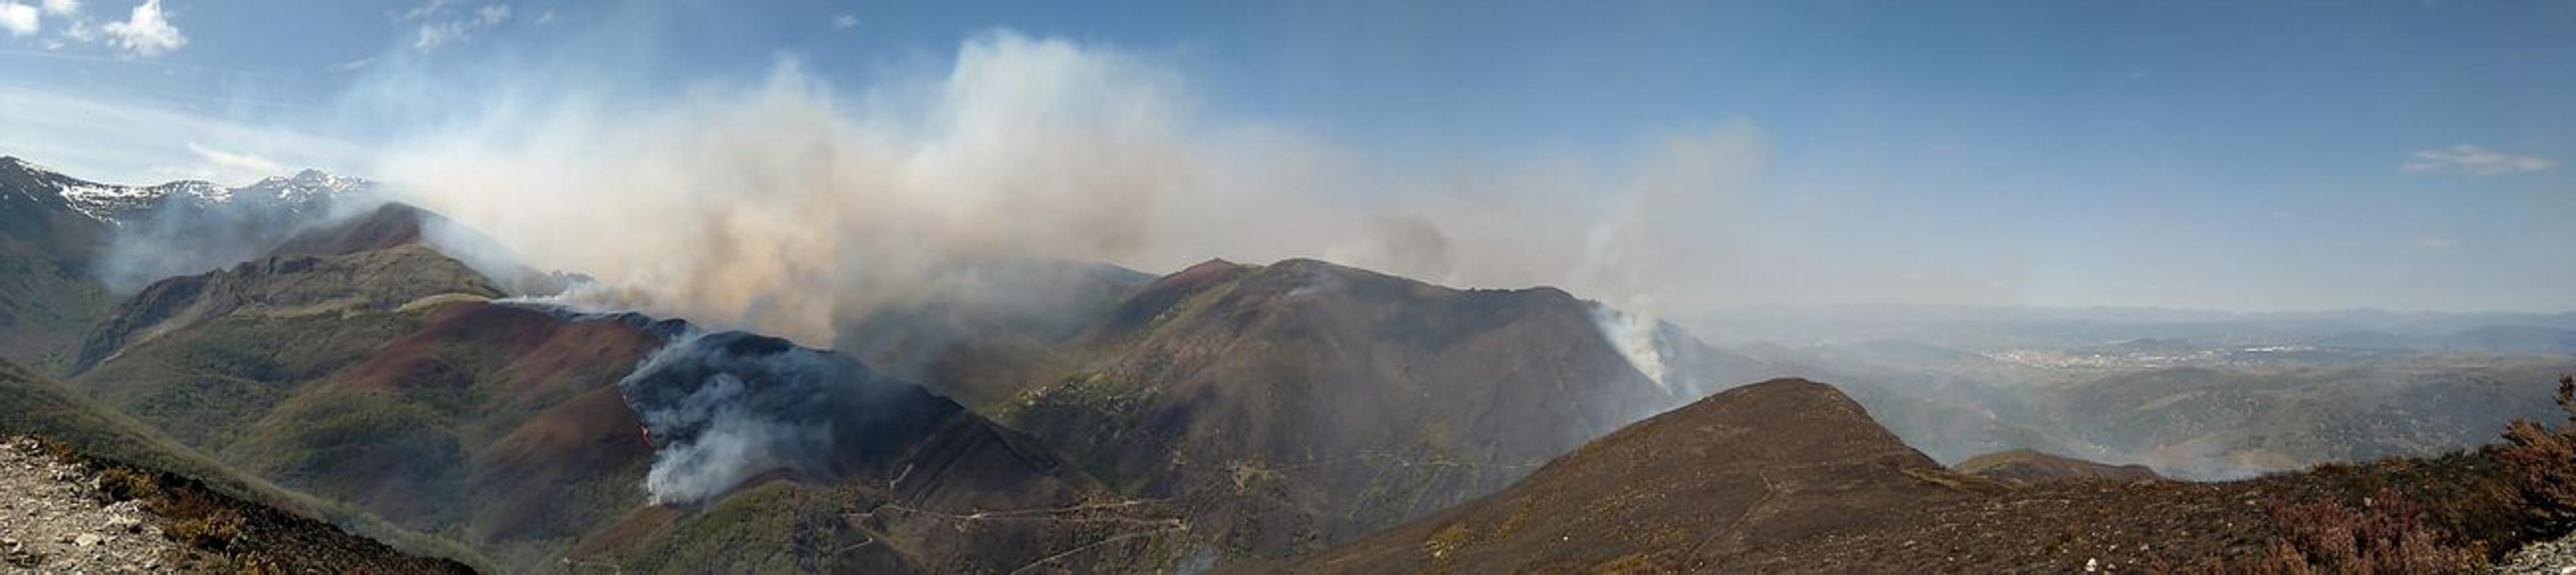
[63,513]
[2549,557]
[54,520]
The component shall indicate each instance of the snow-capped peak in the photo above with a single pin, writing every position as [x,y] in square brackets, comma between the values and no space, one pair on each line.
[199,190]
[26,166]
[119,204]
[307,185]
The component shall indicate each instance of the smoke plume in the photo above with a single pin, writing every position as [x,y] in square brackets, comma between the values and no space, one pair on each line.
[722,408]
[793,207]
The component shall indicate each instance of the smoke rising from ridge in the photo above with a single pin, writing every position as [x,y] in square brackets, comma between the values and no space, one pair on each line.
[786,204]
[725,407]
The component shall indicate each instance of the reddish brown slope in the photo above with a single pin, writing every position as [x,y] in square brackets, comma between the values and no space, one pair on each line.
[1749,470]
[1790,476]
[387,226]
[546,426]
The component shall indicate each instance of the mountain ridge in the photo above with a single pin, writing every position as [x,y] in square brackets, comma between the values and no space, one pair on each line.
[120,205]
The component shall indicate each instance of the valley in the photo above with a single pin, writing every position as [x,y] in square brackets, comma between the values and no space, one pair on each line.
[367,369]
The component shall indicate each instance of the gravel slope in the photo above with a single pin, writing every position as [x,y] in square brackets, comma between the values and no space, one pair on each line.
[53,521]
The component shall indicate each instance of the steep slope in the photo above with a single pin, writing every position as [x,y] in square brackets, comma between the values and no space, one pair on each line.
[1747,471]
[993,324]
[617,440]
[283,288]
[1289,406]
[501,425]
[47,291]
[66,243]
[267,525]
[804,458]
[1790,476]
[367,367]
[388,226]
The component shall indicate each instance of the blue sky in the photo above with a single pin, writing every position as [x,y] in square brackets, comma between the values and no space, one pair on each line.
[2234,155]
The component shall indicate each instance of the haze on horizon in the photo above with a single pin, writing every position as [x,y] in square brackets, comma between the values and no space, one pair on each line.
[755,162]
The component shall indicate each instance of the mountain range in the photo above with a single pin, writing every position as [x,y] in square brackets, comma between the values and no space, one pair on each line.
[1298,415]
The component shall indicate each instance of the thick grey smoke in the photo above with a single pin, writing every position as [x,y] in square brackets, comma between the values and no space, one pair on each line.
[790,206]
[732,444]
[722,408]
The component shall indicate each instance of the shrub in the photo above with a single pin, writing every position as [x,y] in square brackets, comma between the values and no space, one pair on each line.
[2385,534]
[121,484]
[198,518]
[2540,466]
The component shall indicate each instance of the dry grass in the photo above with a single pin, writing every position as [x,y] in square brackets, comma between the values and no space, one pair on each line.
[2450,515]
[2386,534]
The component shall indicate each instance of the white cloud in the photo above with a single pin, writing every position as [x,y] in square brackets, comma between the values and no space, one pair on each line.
[440,26]
[846,21]
[104,138]
[235,164]
[145,33]
[435,34]
[547,17]
[2471,160]
[18,19]
[63,7]
[422,11]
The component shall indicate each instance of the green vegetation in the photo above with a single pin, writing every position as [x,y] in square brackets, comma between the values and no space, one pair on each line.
[205,383]
[361,446]
[47,297]
[36,406]
[760,530]
[2436,515]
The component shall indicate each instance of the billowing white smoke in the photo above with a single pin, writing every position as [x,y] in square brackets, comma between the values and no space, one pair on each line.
[790,207]
[734,444]
[724,407]
[1638,338]
[784,205]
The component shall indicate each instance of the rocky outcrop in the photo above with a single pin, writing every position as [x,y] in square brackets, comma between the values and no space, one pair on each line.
[55,523]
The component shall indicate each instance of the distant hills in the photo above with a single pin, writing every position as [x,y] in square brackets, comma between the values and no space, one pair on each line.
[1298,414]
[2003,326]
[70,246]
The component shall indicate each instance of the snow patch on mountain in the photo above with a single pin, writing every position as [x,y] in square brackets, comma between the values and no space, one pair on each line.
[124,205]
[103,202]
